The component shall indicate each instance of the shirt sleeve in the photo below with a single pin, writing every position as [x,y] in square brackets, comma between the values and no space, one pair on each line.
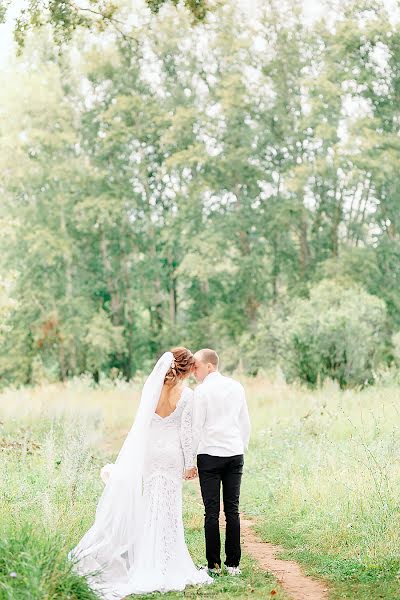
[186,433]
[199,416]
[244,421]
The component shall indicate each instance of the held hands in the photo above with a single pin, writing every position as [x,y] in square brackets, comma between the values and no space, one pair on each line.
[190,473]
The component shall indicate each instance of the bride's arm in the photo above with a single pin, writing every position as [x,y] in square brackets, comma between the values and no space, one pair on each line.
[186,433]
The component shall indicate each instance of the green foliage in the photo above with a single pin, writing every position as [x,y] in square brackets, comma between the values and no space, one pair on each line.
[150,178]
[65,17]
[102,339]
[322,480]
[50,459]
[338,333]
[396,346]
[3,11]
[198,8]
[32,555]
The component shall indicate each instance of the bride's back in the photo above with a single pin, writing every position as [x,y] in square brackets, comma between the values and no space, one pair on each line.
[169,398]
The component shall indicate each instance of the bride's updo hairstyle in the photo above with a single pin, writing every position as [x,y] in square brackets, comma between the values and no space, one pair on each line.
[181,367]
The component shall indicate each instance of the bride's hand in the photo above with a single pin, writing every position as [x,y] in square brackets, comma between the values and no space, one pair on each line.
[190,473]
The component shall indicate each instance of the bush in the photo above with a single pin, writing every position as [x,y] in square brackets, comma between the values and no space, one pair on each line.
[338,332]
[259,351]
[103,339]
[396,347]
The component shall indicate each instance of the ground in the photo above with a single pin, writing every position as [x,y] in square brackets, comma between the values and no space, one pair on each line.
[322,481]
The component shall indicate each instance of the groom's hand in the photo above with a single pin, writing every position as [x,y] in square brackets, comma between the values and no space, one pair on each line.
[190,473]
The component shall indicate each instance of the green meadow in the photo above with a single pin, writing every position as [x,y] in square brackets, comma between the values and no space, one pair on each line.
[322,479]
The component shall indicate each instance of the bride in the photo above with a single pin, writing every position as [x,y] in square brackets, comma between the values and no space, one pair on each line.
[136,544]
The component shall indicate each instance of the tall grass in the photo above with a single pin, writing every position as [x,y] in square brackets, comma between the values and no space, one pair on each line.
[49,462]
[322,478]
[54,439]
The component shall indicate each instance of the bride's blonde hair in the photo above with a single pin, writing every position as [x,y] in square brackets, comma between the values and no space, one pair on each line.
[181,367]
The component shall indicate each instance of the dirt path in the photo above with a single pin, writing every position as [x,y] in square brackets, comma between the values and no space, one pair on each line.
[287,572]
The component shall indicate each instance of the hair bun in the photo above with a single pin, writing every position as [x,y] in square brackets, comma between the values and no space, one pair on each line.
[181,365]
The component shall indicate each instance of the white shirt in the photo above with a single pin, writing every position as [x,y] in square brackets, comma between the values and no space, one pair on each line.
[221,424]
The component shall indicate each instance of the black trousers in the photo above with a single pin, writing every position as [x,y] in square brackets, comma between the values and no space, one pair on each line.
[214,470]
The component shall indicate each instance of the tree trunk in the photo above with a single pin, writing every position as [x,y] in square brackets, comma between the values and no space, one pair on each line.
[364,209]
[275,269]
[112,288]
[69,290]
[337,218]
[172,301]
[304,247]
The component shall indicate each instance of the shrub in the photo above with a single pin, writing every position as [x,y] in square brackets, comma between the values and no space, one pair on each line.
[338,333]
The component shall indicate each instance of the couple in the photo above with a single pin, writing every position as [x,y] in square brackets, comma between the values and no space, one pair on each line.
[136,544]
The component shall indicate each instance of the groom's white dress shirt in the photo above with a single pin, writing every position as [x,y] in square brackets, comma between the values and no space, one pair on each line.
[221,424]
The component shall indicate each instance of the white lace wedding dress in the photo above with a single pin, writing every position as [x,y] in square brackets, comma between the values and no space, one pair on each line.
[163,561]
[136,544]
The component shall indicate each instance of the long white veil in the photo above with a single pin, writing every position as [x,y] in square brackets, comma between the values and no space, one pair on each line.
[108,548]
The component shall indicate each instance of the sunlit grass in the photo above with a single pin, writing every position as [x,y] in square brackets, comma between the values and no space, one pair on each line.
[54,440]
[322,478]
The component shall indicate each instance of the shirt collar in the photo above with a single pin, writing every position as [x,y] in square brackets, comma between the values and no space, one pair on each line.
[211,375]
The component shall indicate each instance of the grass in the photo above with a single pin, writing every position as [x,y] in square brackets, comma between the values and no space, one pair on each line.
[322,479]
[53,441]
[33,565]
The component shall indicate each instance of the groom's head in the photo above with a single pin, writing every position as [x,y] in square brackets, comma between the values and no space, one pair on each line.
[206,361]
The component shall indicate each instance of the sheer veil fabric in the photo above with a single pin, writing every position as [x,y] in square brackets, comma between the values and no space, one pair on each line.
[106,553]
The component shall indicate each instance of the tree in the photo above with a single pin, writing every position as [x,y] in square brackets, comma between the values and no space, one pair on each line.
[346,342]
[338,333]
[66,16]
[194,184]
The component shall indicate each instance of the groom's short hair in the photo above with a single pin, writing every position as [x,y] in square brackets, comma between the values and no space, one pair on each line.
[209,356]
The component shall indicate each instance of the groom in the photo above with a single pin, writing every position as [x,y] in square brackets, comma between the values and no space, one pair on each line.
[221,432]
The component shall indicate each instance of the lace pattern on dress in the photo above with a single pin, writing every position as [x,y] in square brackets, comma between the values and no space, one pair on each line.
[162,496]
[186,433]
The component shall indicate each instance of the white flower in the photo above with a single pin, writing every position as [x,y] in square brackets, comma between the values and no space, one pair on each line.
[106,472]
